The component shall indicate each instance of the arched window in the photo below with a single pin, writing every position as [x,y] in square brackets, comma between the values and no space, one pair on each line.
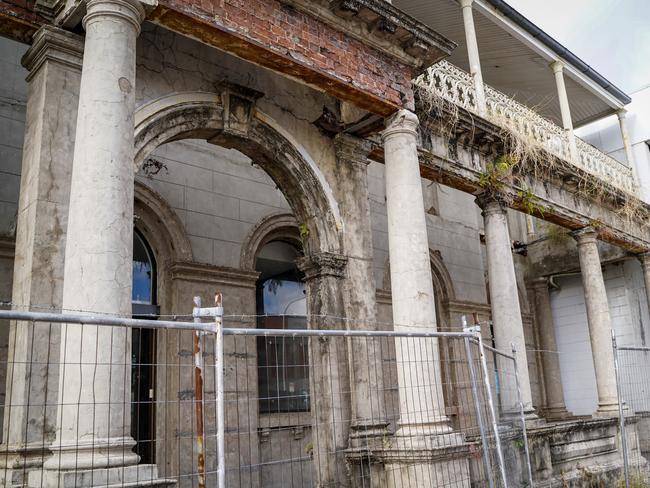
[143,350]
[283,362]
[144,277]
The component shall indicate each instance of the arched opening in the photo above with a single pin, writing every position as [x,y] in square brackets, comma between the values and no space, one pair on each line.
[143,349]
[224,124]
[283,362]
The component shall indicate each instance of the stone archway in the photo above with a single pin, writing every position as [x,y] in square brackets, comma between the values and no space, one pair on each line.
[274,226]
[230,119]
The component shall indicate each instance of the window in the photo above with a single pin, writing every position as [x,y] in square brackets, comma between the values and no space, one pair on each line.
[144,278]
[283,371]
[143,347]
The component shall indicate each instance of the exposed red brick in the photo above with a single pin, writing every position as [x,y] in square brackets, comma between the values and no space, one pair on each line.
[279,37]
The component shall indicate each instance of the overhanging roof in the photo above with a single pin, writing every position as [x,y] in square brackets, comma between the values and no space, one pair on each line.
[515,57]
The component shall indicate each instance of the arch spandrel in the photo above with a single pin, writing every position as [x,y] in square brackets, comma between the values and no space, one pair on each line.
[211,117]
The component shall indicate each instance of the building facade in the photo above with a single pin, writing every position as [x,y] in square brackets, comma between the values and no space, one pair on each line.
[355,164]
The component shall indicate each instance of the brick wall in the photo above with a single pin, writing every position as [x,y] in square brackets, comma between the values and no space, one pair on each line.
[279,37]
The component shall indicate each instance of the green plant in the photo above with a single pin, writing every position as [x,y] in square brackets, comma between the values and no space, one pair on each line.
[636,481]
[596,224]
[498,173]
[530,202]
[304,236]
[556,234]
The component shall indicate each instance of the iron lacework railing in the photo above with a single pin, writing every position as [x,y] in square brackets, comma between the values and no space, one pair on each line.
[455,85]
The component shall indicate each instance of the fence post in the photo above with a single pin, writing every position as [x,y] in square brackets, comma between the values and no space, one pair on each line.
[488,392]
[477,405]
[219,396]
[522,415]
[217,313]
[198,395]
[626,468]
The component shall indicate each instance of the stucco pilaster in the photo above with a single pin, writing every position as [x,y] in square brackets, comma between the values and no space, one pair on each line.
[329,374]
[369,421]
[555,407]
[504,296]
[598,319]
[645,265]
[54,64]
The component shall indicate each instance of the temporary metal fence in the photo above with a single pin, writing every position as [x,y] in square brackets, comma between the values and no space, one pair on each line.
[632,365]
[226,403]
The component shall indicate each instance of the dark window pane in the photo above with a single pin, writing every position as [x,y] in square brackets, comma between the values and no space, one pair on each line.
[283,362]
[142,272]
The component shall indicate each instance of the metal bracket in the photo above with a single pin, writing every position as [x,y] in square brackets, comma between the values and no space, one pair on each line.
[474,329]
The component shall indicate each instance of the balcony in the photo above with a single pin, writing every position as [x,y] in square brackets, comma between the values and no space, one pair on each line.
[456,86]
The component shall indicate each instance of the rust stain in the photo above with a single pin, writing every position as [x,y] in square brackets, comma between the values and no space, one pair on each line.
[18,23]
[198,402]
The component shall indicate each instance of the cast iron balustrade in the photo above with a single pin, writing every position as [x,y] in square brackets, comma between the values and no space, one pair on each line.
[456,86]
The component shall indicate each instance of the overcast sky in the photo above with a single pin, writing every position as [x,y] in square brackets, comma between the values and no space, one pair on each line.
[612,36]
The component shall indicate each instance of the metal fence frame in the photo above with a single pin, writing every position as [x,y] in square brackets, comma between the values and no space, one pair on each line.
[622,405]
[216,329]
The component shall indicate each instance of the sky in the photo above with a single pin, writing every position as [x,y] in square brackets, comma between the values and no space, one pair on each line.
[612,36]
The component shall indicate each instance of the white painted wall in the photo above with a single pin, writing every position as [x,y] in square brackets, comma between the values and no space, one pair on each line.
[605,134]
[630,321]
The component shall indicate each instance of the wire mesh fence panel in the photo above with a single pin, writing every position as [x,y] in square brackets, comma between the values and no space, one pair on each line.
[633,381]
[101,401]
[94,405]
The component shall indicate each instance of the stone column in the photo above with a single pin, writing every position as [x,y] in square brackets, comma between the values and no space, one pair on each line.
[422,423]
[473,54]
[627,144]
[328,368]
[369,421]
[93,421]
[54,64]
[565,110]
[598,318]
[504,297]
[555,408]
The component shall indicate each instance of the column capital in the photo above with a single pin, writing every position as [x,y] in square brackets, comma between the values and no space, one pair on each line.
[644,257]
[466,3]
[131,11]
[56,45]
[557,66]
[402,122]
[621,113]
[320,264]
[585,235]
[492,203]
[539,284]
[352,149]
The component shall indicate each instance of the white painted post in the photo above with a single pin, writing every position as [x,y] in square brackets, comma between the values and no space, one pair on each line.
[627,144]
[565,109]
[473,55]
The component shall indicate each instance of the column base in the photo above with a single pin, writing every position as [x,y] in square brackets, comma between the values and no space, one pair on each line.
[16,462]
[123,477]
[606,410]
[555,414]
[438,460]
